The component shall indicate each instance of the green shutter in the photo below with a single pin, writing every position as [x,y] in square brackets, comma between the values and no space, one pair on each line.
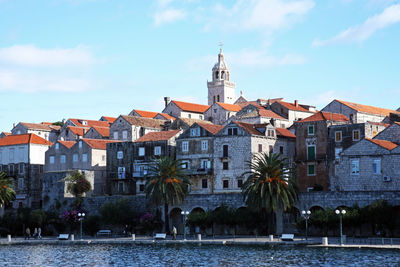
[311,169]
[311,153]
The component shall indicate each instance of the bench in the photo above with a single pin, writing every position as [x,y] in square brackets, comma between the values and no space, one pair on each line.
[287,237]
[103,233]
[63,236]
[160,236]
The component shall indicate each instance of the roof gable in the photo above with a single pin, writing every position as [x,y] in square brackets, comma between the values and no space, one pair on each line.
[211,128]
[98,143]
[145,114]
[67,144]
[368,109]
[158,136]
[292,106]
[383,143]
[229,107]
[285,133]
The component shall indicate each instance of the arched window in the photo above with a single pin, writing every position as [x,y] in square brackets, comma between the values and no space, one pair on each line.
[223,75]
[217,75]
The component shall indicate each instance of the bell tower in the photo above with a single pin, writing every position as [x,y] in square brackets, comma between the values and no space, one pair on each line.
[221,89]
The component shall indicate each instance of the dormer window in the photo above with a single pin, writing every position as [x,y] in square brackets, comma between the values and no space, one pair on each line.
[84,122]
[195,131]
[232,131]
[57,145]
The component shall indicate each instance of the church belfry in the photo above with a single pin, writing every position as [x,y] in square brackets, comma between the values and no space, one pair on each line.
[221,89]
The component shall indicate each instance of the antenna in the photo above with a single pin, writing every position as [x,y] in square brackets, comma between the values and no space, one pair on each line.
[220,44]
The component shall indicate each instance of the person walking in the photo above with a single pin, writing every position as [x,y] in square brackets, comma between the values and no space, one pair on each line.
[174,232]
[27,233]
[40,233]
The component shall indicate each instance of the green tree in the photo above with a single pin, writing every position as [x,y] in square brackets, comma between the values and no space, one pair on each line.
[7,193]
[117,213]
[270,185]
[166,184]
[77,184]
[58,123]
[38,217]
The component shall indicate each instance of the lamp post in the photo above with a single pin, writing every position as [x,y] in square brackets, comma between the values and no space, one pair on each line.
[306,215]
[81,215]
[185,214]
[341,213]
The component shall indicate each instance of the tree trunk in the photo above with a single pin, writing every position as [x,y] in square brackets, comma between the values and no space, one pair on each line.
[166,218]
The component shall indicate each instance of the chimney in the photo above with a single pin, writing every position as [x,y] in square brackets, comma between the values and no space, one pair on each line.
[296,103]
[269,104]
[166,100]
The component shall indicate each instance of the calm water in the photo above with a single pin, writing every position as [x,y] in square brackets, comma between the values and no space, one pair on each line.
[192,255]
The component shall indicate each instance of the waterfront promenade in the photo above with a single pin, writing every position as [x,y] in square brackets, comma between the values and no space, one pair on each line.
[386,243]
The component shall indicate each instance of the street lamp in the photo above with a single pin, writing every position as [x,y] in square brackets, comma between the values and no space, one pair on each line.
[185,214]
[306,215]
[81,216]
[341,213]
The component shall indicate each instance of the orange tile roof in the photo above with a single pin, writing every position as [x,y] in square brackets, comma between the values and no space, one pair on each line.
[144,122]
[166,116]
[103,131]
[211,128]
[250,128]
[368,109]
[80,131]
[67,144]
[285,133]
[21,139]
[158,136]
[90,123]
[40,126]
[6,133]
[145,114]
[98,143]
[292,106]
[383,143]
[230,107]
[379,123]
[325,116]
[185,106]
[269,113]
[109,119]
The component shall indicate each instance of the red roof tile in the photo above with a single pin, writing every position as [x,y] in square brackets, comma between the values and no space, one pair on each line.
[230,107]
[269,113]
[40,126]
[157,136]
[103,131]
[21,139]
[98,143]
[6,133]
[89,123]
[67,144]
[145,114]
[368,109]
[211,128]
[144,122]
[250,128]
[109,119]
[325,116]
[80,131]
[379,123]
[166,116]
[292,106]
[383,143]
[185,106]
[285,133]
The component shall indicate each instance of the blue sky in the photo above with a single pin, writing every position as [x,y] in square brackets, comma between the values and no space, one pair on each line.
[88,58]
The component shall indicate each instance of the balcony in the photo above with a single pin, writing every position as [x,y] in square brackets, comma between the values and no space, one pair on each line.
[199,171]
[139,174]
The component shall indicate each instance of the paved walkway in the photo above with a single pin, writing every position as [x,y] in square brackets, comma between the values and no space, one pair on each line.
[220,240]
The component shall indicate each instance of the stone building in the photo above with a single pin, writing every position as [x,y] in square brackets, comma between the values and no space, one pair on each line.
[312,149]
[47,131]
[22,157]
[72,133]
[88,123]
[219,113]
[358,113]
[290,111]
[107,119]
[237,143]
[4,134]
[255,114]
[195,148]
[185,123]
[130,128]
[221,88]
[184,109]
[96,132]
[390,133]
[142,113]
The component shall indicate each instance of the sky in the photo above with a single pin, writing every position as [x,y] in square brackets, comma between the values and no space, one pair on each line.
[92,58]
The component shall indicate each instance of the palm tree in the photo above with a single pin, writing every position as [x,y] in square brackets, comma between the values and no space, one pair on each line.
[7,193]
[270,185]
[166,184]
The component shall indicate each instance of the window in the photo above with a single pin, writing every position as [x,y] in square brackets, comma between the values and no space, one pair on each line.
[121,187]
[141,151]
[311,130]
[355,166]
[21,153]
[84,157]
[121,172]
[281,150]
[195,131]
[225,183]
[311,152]
[125,135]
[200,117]
[338,150]
[75,157]
[225,165]
[225,151]
[80,144]
[11,155]
[157,150]
[271,133]
[311,169]
[51,159]
[11,168]
[271,149]
[204,145]
[376,166]
[356,135]
[215,110]
[185,164]
[57,145]
[189,116]
[21,168]
[232,131]
[239,183]
[185,146]
[103,158]
[115,135]
[120,155]
[205,164]
[259,148]
[20,183]
[217,98]
[204,183]
[141,187]
[338,136]
[62,159]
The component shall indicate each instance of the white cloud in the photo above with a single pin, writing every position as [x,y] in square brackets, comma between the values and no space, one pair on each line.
[27,68]
[360,33]
[169,15]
